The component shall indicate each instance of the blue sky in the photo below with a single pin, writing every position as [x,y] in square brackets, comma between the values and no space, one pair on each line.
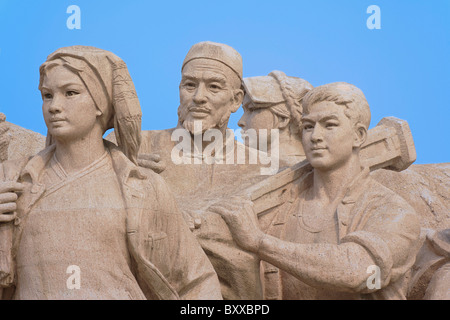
[403,68]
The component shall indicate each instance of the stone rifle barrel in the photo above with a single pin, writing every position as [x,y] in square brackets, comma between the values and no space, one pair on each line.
[6,261]
[6,230]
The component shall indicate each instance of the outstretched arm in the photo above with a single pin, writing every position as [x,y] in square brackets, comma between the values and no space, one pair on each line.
[340,267]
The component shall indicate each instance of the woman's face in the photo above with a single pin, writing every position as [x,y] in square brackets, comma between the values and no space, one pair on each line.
[68,108]
[254,120]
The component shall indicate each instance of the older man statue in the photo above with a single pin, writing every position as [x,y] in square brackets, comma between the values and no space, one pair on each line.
[203,161]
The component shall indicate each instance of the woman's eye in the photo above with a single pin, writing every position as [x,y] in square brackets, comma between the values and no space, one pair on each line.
[71,93]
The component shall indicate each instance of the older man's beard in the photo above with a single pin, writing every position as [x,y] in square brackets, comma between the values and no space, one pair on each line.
[189,124]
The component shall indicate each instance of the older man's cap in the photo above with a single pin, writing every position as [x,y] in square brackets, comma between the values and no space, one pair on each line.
[216,51]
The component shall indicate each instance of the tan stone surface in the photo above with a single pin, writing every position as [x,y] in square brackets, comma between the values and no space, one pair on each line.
[426,187]
[335,222]
[4,138]
[326,212]
[23,142]
[431,271]
[197,186]
[85,205]
[275,102]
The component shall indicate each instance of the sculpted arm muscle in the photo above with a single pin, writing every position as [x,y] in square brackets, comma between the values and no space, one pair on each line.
[341,267]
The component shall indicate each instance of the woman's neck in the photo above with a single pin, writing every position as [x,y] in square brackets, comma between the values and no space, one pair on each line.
[76,155]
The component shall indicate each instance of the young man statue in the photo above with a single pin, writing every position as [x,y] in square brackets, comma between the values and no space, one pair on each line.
[345,236]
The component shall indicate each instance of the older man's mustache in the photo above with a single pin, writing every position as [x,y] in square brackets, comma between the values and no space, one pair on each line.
[196,108]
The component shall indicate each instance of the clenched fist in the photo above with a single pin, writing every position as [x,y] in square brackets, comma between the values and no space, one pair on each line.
[8,198]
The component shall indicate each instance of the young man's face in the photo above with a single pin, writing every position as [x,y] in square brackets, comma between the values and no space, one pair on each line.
[327,136]
[206,94]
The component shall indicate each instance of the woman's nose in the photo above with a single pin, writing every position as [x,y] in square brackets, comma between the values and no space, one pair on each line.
[241,123]
[55,105]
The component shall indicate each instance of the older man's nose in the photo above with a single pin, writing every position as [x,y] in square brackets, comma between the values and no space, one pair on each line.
[200,94]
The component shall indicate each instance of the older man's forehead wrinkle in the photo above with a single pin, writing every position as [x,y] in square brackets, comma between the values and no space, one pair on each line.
[188,77]
[205,75]
[208,65]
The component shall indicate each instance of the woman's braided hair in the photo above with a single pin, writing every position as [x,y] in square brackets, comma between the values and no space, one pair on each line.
[293,94]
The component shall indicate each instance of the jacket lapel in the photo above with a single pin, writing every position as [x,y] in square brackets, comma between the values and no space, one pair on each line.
[133,183]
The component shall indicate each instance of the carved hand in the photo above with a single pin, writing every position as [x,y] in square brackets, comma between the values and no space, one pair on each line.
[152,162]
[242,222]
[8,198]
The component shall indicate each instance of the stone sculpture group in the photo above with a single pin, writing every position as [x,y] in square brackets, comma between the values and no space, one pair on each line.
[313,204]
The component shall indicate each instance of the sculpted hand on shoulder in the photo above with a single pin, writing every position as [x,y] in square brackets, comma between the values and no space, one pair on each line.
[152,161]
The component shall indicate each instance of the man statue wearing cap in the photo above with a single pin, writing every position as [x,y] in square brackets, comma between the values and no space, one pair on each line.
[210,90]
[275,102]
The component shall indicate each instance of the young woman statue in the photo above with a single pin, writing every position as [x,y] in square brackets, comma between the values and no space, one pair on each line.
[88,222]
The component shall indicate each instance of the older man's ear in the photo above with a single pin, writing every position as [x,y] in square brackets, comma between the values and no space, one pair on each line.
[238,97]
